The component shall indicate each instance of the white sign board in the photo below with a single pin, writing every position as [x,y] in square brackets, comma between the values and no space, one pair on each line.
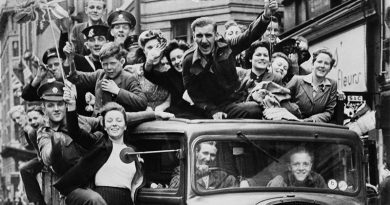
[349,49]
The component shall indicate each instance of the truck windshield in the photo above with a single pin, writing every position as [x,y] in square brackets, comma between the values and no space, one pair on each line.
[238,164]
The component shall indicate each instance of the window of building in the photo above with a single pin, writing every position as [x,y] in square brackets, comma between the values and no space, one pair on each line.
[15,48]
[181,30]
[308,9]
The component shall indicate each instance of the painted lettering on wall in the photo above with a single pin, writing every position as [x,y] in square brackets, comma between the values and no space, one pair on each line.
[350,79]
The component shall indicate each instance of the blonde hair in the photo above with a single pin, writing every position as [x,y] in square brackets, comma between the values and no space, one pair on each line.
[16,108]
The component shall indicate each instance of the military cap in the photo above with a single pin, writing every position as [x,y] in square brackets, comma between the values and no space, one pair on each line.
[121,17]
[130,41]
[51,90]
[95,30]
[51,52]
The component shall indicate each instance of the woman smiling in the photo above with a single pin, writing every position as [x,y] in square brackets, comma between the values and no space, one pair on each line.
[115,182]
[315,94]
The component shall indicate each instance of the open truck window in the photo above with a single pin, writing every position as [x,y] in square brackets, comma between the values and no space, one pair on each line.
[159,167]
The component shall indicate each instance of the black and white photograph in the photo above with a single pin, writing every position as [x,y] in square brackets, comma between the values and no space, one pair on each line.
[194,102]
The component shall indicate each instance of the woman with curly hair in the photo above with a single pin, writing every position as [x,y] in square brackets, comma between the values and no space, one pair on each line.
[172,80]
[315,94]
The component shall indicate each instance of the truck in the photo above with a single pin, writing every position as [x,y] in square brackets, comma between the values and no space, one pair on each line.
[254,151]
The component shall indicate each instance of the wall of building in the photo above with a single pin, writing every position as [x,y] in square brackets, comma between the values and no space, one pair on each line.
[161,14]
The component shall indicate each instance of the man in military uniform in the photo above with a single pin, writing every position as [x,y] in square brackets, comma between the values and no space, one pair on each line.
[209,72]
[57,149]
[96,37]
[50,70]
[95,10]
[121,25]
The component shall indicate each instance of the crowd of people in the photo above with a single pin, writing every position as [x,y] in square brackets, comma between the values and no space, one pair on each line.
[103,79]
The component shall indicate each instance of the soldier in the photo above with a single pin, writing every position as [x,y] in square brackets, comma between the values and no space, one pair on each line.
[49,70]
[95,10]
[56,148]
[121,25]
[96,38]
[209,72]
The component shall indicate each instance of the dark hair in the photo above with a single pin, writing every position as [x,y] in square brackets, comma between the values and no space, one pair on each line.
[251,50]
[203,21]
[139,55]
[324,51]
[16,108]
[36,108]
[289,73]
[301,149]
[112,49]
[110,106]
[174,44]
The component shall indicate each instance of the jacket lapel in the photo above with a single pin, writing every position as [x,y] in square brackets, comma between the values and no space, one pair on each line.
[118,80]
[308,90]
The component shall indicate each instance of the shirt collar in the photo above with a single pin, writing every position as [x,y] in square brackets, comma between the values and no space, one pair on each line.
[61,128]
[309,79]
[255,77]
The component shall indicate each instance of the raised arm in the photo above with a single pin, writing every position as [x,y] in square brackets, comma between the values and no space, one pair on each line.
[80,136]
[85,79]
[255,30]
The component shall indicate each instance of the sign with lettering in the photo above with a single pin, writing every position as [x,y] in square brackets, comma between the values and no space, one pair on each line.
[349,49]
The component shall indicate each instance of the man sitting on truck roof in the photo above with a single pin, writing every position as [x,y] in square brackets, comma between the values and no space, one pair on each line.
[207,177]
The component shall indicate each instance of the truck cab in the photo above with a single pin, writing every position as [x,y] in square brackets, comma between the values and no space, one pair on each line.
[252,151]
